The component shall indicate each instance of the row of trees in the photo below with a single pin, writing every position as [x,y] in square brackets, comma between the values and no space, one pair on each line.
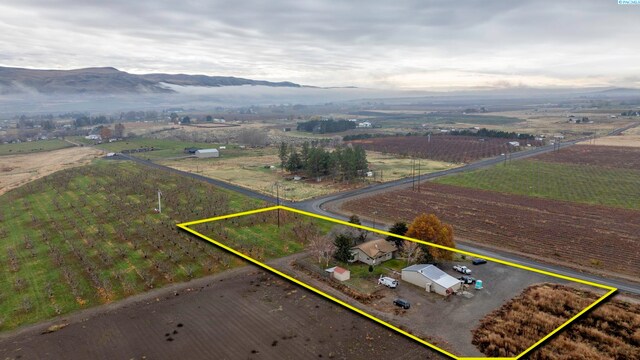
[326,126]
[484,132]
[345,162]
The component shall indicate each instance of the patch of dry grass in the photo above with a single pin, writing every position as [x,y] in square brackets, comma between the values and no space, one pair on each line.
[611,331]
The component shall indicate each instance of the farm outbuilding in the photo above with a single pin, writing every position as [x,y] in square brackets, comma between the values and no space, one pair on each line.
[374,252]
[207,153]
[338,273]
[430,278]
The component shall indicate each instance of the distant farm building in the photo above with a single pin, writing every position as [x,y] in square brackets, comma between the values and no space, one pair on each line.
[338,273]
[430,278]
[514,143]
[374,252]
[207,153]
[364,124]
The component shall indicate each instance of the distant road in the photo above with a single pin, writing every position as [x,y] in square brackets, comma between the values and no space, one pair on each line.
[316,205]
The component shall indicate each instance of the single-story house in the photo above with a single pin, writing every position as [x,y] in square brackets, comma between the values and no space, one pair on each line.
[374,252]
[207,153]
[338,273]
[514,143]
[364,124]
[430,278]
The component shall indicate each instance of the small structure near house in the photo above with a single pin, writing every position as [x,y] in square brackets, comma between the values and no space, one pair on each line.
[431,278]
[374,252]
[207,153]
[222,147]
[338,273]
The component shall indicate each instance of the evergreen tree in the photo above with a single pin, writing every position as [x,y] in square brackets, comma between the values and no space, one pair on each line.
[283,154]
[399,228]
[343,245]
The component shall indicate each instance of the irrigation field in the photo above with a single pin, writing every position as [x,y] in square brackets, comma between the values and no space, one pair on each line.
[585,174]
[454,149]
[90,235]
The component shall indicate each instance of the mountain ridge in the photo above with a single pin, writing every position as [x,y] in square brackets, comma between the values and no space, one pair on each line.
[109,80]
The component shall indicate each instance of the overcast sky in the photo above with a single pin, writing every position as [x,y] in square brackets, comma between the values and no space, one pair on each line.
[418,44]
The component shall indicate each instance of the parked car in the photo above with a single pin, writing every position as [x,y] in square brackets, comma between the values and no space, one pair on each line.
[402,303]
[462,269]
[478,261]
[467,279]
[388,282]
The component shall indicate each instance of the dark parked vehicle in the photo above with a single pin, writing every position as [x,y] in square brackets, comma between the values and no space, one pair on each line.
[467,279]
[479,261]
[402,303]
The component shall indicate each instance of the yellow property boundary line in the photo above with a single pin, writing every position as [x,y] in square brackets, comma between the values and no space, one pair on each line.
[185,227]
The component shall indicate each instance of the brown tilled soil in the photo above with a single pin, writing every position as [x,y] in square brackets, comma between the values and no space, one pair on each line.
[610,331]
[607,156]
[599,238]
[17,170]
[243,314]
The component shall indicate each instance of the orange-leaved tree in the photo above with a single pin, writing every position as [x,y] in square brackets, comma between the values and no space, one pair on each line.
[429,228]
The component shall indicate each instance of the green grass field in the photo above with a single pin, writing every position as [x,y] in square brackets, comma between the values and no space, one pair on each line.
[167,149]
[33,146]
[588,184]
[88,236]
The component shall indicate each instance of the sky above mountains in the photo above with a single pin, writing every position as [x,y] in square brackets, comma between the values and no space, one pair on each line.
[419,44]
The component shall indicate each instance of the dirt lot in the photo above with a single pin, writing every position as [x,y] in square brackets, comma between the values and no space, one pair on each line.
[17,170]
[600,239]
[605,156]
[451,320]
[243,314]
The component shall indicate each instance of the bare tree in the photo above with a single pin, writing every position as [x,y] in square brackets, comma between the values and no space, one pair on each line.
[322,248]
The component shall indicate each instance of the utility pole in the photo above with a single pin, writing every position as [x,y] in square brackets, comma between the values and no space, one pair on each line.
[418,175]
[159,202]
[277,185]
[413,174]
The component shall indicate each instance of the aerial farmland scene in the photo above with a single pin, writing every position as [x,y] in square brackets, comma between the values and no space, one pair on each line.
[315,180]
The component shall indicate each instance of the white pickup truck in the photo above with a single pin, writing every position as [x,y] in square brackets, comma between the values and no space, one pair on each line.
[388,282]
[462,269]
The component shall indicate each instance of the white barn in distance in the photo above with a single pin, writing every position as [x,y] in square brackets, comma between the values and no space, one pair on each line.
[207,153]
[430,278]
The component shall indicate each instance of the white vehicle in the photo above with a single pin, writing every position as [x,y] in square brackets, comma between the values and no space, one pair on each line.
[462,269]
[388,282]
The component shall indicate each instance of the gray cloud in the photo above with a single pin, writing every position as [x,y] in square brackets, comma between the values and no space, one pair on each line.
[418,44]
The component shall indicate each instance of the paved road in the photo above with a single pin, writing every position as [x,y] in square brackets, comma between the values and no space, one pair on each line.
[317,205]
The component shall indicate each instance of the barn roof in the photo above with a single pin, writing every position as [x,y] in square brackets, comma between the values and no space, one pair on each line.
[434,274]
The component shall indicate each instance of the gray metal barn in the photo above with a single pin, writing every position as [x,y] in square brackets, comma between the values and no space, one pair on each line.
[207,153]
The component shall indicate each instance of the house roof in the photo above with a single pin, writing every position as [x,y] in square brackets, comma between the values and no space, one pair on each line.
[434,274]
[376,248]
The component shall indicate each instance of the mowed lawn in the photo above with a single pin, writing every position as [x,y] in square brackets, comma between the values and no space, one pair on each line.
[33,146]
[166,149]
[89,235]
[590,184]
